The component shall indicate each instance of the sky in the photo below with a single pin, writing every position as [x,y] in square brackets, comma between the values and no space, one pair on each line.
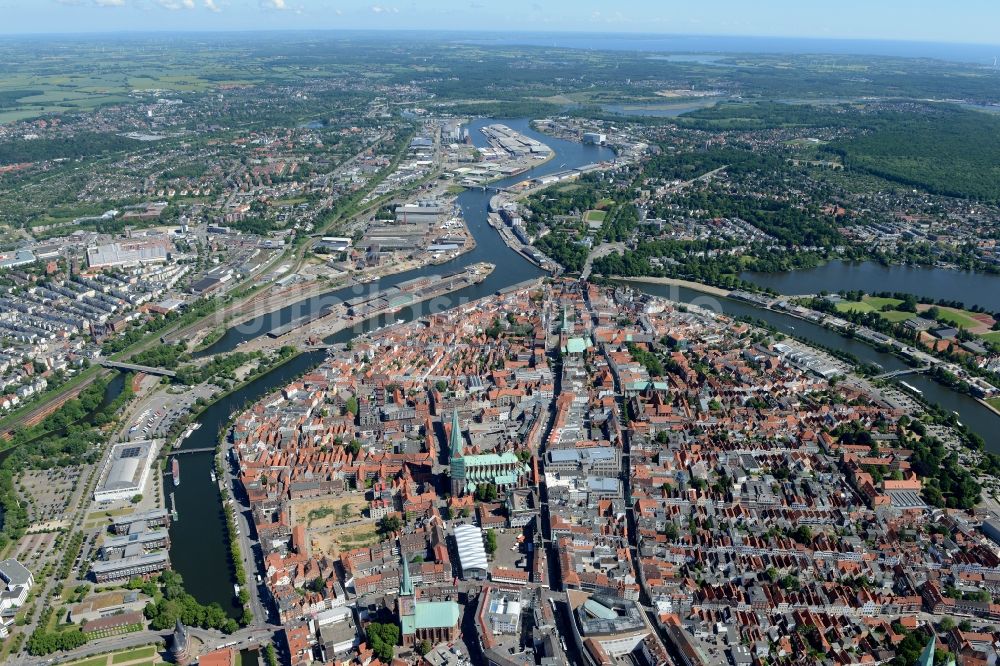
[958,21]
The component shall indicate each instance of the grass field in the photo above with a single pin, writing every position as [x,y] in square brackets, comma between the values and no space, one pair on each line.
[333,541]
[875,304]
[992,337]
[867,304]
[994,402]
[94,661]
[594,216]
[132,655]
[896,316]
[958,318]
[147,653]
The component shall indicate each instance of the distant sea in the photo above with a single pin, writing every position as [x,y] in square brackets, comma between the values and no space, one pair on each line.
[982,54]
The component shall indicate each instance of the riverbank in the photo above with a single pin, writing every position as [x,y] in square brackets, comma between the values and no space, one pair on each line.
[199,549]
[987,405]
[675,282]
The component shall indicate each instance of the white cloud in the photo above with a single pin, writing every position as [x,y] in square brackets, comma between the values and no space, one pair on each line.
[176,4]
[379,9]
[211,6]
[275,4]
[110,3]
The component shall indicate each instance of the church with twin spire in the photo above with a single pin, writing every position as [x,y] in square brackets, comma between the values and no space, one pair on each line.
[468,471]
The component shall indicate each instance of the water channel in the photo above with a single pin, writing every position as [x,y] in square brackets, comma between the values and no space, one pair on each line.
[970,411]
[199,545]
[936,283]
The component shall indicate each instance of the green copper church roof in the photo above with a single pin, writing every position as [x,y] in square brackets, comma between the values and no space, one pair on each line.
[431,615]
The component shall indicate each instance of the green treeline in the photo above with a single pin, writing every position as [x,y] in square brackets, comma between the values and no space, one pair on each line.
[947,151]
[64,438]
[79,145]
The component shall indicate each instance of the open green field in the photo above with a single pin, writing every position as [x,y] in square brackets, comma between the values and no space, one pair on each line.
[594,216]
[992,337]
[132,655]
[896,316]
[148,653]
[94,661]
[867,304]
[875,304]
[958,318]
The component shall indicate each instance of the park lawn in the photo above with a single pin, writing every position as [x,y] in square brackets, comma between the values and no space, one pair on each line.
[132,655]
[896,316]
[992,337]
[878,302]
[958,318]
[875,304]
[855,306]
[93,661]
[594,216]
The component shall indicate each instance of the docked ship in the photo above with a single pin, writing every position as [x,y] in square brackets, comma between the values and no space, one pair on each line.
[175,471]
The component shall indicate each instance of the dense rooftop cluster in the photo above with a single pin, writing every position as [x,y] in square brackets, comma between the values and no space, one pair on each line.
[656,464]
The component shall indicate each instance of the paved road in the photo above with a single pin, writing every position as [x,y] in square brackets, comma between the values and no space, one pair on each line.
[602,250]
[210,639]
[248,549]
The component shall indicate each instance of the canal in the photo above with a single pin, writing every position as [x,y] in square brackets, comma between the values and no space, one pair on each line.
[970,411]
[199,543]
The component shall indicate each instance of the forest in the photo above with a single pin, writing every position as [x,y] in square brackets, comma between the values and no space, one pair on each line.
[87,144]
[946,150]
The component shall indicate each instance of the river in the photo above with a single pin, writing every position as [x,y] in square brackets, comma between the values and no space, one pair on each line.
[970,411]
[199,544]
[936,283]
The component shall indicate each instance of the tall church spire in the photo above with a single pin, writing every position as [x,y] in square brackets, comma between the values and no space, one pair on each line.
[455,445]
[405,583]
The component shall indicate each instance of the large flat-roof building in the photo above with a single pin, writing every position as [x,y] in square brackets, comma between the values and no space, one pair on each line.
[128,253]
[133,563]
[471,551]
[108,604]
[142,519]
[15,583]
[126,472]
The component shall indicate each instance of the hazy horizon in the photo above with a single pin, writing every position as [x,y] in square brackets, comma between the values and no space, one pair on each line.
[969,23]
